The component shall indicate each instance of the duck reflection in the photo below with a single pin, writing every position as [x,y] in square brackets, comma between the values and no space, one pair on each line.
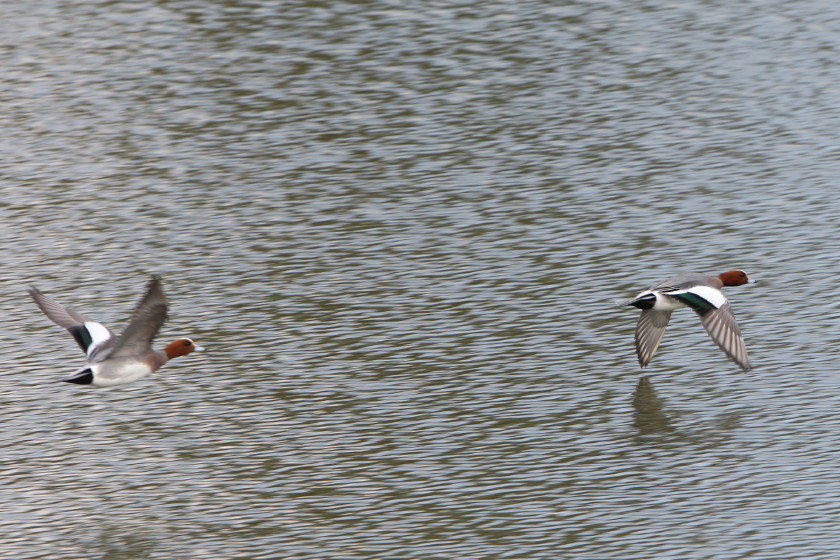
[648,417]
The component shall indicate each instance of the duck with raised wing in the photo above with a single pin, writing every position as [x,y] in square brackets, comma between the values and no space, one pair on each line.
[116,360]
[702,294]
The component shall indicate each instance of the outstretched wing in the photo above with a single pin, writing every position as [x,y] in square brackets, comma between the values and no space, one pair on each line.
[89,335]
[717,318]
[649,331]
[721,325]
[148,318]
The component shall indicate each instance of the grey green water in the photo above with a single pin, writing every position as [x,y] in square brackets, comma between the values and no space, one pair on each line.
[398,229]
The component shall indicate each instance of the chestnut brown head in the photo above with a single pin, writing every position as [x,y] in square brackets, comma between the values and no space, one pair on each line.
[734,278]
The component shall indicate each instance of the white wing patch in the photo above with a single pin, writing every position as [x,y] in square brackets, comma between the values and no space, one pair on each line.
[98,335]
[712,295]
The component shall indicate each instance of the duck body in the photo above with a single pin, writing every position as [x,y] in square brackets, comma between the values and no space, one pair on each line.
[700,293]
[118,371]
[117,360]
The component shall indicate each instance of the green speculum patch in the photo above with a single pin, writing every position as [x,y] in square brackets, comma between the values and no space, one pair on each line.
[695,302]
[82,336]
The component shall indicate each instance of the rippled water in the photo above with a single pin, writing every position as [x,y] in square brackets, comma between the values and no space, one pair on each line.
[398,229]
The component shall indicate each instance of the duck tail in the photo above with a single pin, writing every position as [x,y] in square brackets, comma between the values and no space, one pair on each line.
[643,301]
[83,377]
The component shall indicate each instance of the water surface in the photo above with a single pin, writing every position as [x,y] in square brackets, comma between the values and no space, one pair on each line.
[398,230]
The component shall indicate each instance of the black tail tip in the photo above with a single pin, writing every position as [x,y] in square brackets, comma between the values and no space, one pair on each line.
[84,378]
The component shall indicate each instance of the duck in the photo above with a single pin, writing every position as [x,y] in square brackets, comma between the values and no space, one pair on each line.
[701,293]
[117,360]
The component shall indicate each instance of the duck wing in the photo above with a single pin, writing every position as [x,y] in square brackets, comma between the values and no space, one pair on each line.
[149,316]
[90,335]
[722,327]
[717,318]
[649,331]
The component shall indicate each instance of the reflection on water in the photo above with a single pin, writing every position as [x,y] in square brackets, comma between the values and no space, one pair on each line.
[648,417]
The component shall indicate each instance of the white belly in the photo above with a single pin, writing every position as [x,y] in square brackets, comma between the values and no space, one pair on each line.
[126,373]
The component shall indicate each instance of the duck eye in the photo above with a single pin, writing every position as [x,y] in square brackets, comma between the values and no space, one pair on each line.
[187,342]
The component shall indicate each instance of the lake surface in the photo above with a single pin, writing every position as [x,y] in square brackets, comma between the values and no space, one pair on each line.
[399,230]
